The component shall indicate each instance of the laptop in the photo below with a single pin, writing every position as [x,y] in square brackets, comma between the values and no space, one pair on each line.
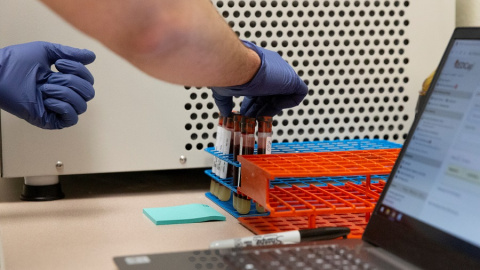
[428,216]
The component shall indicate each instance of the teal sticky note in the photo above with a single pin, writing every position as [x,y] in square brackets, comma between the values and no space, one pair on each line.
[189,213]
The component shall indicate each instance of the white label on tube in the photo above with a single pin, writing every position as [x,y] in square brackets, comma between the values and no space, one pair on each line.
[239,177]
[241,146]
[226,149]
[240,153]
[220,139]
[268,146]
[217,143]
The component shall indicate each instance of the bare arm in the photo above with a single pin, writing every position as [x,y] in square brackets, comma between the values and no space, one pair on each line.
[180,41]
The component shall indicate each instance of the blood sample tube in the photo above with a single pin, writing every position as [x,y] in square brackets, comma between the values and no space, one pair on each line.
[222,170]
[248,135]
[221,145]
[237,150]
[216,161]
[229,128]
[247,144]
[227,170]
[264,142]
[237,135]
[218,143]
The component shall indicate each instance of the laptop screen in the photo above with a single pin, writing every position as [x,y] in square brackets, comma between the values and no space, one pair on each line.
[438,179]
[432,198]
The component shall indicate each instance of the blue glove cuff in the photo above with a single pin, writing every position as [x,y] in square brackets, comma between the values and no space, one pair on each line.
[254,83]
[260,75]
[274,87]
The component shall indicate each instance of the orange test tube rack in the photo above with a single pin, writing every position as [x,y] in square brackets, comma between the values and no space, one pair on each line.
[313,201]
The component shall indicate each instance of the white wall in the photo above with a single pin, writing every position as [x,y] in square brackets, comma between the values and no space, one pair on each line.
[468,13]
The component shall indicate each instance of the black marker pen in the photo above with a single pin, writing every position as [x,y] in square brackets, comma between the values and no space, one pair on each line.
[290,237]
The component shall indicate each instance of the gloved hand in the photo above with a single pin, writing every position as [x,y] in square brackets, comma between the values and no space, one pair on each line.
[30,90]
[275,86]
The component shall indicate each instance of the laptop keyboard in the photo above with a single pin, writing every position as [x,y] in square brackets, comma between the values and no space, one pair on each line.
[282,258]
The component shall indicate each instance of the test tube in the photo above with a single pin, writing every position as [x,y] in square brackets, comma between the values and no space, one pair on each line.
[223,193]
[247,144]
[237,150]
[237,135]
[227,170]
[264,143]
[216,161]
[230,130]
[221,145]
[222,169]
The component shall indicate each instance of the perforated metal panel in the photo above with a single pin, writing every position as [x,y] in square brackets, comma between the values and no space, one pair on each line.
[353,55]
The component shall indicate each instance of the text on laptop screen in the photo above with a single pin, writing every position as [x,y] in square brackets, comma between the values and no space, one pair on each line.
[438,179]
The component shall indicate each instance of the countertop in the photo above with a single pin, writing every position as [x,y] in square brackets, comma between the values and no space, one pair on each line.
[101,217]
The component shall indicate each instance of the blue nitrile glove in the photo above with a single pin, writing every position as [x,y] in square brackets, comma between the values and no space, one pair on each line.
[276,86]
[30,90]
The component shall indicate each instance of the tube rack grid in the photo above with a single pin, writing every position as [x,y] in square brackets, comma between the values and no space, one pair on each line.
[267,224]
[311,184]
[287,182]
[314,147]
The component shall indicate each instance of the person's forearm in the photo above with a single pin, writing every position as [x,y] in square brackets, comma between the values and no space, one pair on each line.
[180,41]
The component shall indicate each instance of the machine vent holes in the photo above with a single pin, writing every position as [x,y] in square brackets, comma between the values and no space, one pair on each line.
[352,54]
